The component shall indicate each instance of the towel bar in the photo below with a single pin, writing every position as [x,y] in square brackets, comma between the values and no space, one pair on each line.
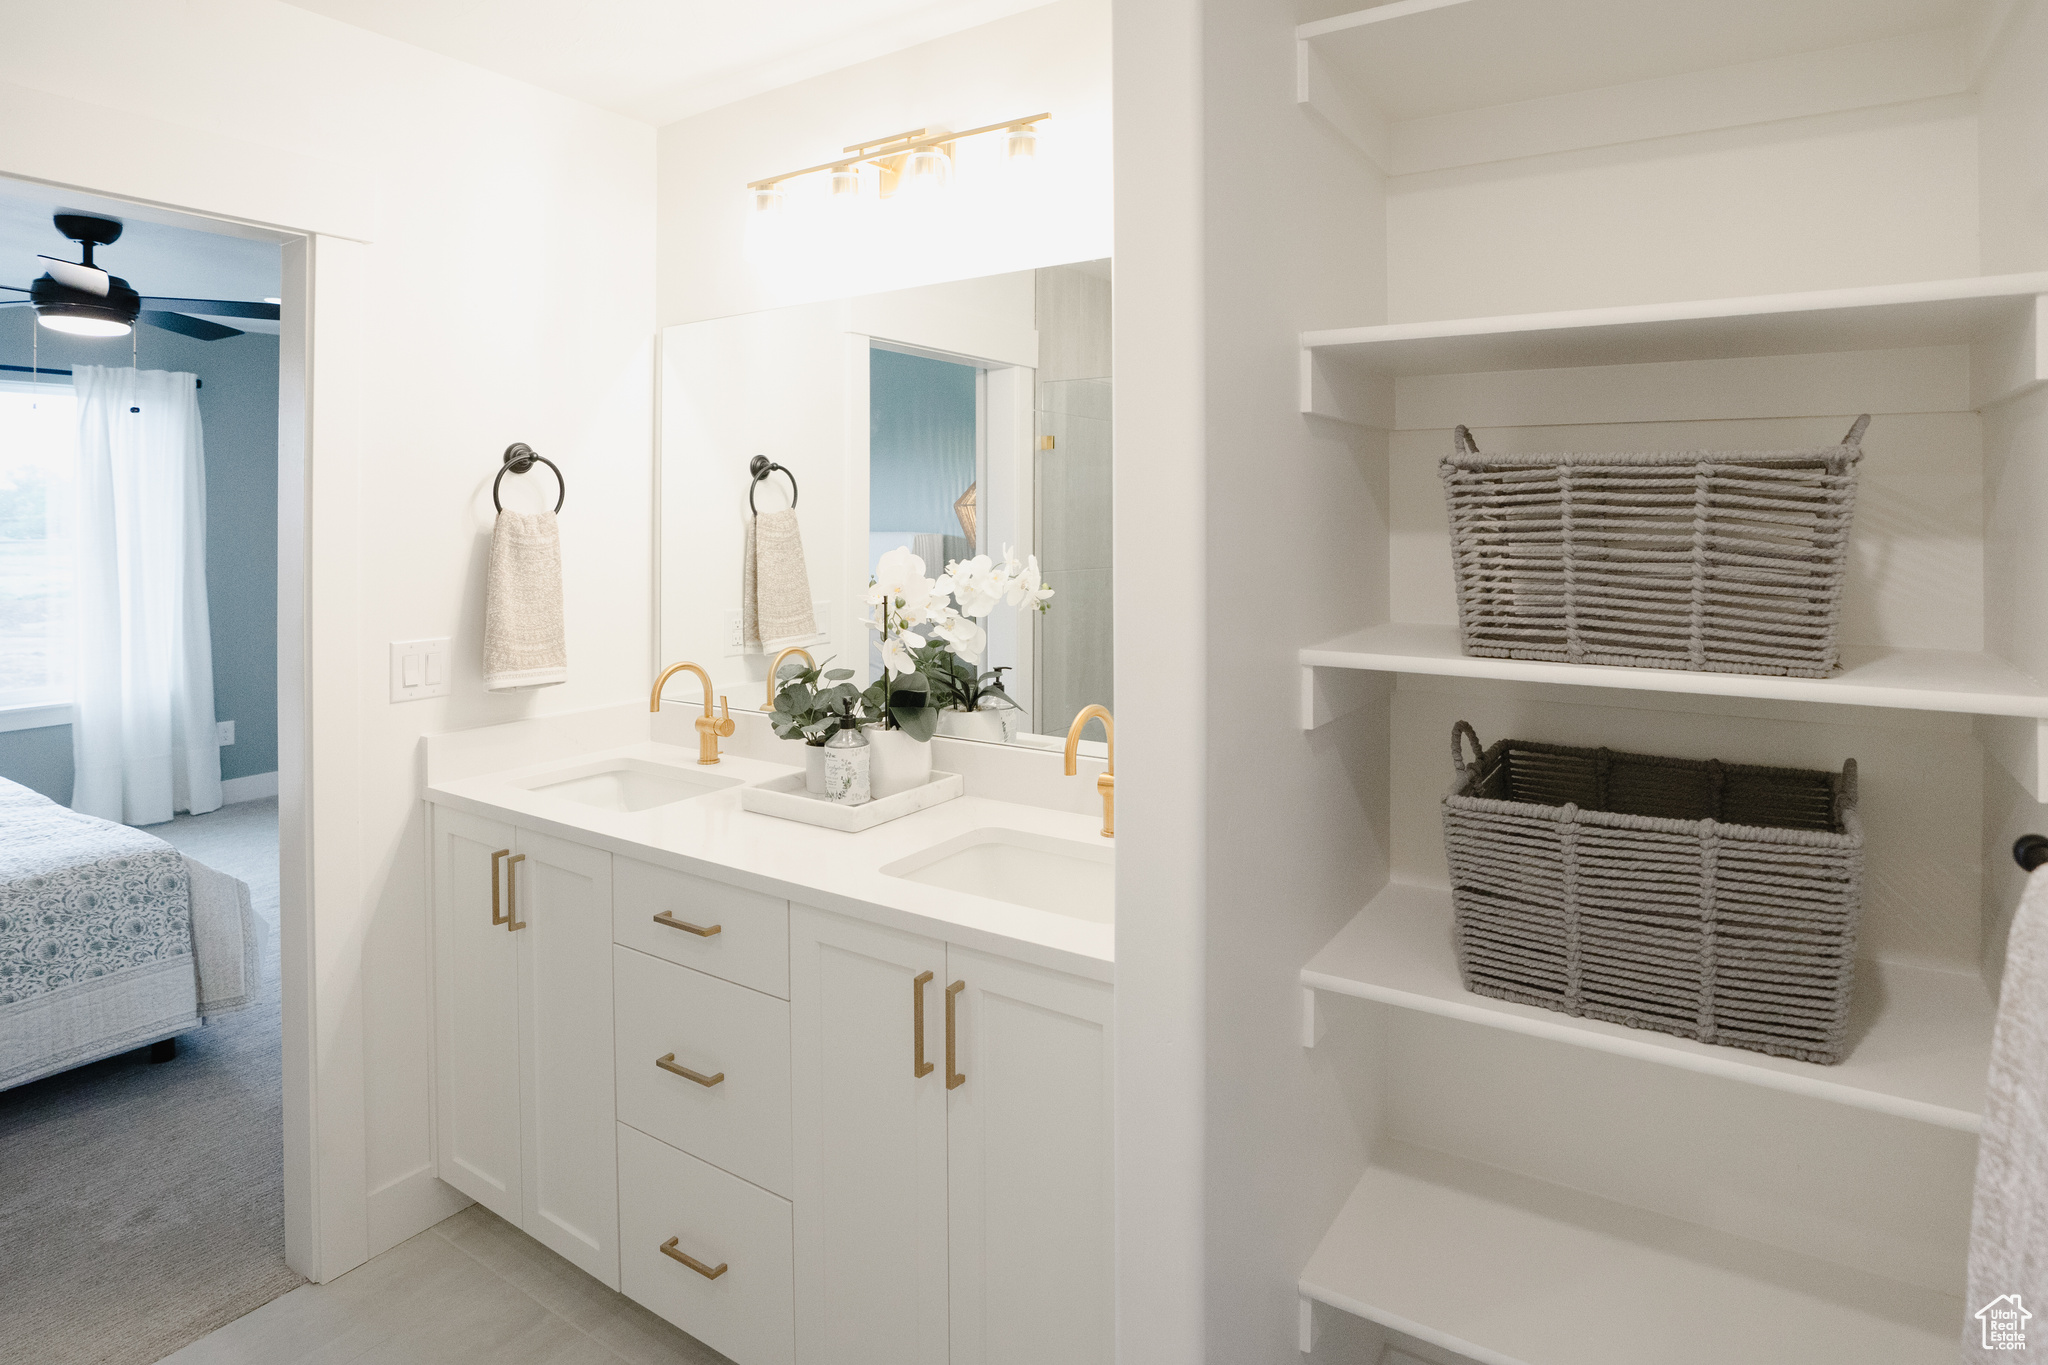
[520,457]
[761,467]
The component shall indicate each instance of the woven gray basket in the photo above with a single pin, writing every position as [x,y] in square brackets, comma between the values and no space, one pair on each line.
[1720,562]
[1710,900]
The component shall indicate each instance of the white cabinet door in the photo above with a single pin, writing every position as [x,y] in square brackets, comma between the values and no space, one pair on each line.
[476,986]
[1029,1167]
[563,904]
[870,1143]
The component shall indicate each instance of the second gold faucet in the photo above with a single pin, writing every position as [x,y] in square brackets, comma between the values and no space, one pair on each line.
[710,728]
[1106,783]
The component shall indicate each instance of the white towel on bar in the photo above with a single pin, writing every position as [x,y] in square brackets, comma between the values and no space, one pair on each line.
[524,642]
[775,587]
[2009,1223]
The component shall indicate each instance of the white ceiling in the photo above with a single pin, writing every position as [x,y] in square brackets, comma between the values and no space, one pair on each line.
[154,258]
[662,60]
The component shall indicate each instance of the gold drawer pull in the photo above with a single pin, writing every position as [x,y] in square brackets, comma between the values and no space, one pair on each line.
[497,916]
[954,1078]
[668,1064]
[672,922]
[668,1249]
[513,924]
[919,1067]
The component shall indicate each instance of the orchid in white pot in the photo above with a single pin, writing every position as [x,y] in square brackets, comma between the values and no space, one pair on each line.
[931,641]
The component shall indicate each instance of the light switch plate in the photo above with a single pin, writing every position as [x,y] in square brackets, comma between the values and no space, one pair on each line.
[419,668]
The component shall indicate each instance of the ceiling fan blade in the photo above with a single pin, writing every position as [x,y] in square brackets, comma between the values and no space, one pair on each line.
[191,327]
[215,308]
[19,289]
[87,279]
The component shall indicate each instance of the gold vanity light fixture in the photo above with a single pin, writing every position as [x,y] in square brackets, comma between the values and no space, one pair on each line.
[1106,783]
[917,161]
[710,728]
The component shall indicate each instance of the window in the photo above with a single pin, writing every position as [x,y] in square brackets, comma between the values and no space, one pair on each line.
[38,439]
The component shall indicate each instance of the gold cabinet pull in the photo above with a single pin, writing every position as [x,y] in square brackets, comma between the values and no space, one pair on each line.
[497,917]
[919,1067]
[513,924]
[700,931]
[669,1250]
[954,1078]
[670,1065]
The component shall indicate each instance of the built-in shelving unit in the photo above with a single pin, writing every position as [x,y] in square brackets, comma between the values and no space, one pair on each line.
[1920,1038]
[1511,1271]
[1632,225]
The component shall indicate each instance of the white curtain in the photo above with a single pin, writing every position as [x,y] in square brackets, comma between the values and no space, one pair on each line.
[142,726]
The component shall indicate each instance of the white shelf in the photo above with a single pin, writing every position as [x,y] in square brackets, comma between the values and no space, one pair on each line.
[1909,679]
[1418,58]
[1920,1039]
[1513,1271]
[2005,315]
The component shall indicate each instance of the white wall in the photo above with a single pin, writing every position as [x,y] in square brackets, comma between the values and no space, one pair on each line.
[1055,57]
[482,322]
[1869,196]
[1246,844]
[2013,131]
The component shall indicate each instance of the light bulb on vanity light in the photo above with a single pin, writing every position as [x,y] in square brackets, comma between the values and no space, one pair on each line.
[927,171]
[1020,145]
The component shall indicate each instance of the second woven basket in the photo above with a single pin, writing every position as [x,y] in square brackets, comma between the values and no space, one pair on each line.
[1714,561]
[1711,900]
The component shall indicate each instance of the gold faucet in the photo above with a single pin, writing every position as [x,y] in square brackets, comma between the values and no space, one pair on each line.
[709,728]
[776,667]
[1106,783]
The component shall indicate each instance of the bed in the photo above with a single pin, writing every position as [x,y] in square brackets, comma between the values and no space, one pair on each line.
[110,939]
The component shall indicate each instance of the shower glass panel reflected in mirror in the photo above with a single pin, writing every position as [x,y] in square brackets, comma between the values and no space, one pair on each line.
[951,421]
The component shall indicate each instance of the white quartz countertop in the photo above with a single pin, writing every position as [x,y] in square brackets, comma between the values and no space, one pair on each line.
[711,836]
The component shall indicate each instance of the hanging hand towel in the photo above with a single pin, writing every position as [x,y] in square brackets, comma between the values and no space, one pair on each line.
[2009,1224]
[775,587]
[523,639]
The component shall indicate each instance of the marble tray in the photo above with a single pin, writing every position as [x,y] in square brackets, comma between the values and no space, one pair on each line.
[785,799]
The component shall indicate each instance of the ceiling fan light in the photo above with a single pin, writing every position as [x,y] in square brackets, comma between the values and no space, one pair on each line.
[79,323]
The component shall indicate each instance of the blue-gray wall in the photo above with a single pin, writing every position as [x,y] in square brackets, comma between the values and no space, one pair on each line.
[238,410]
[920,442]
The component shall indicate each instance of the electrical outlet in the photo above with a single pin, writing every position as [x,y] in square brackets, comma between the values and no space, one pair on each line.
[419,668]
[735,639]
[224,733]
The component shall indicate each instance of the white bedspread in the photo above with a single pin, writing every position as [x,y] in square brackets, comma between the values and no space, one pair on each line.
[98,923]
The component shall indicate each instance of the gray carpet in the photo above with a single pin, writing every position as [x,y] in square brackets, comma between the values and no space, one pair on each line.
[143,1206]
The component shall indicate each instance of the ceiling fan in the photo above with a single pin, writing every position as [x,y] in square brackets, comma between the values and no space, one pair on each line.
[80,298]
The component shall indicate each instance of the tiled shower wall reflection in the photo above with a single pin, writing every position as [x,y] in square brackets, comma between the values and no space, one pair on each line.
[1072,529]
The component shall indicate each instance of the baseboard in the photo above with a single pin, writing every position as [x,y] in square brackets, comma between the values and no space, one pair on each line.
[257,787]
[408,1206]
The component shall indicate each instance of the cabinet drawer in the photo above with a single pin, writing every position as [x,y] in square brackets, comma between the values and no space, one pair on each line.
[748,1311]
[713,1028]
[751,945]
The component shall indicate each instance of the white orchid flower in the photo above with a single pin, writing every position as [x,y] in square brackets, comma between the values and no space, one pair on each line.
[976,585]
[897,654]
[963,636]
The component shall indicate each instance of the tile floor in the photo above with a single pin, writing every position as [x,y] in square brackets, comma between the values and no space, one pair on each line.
[472,1290]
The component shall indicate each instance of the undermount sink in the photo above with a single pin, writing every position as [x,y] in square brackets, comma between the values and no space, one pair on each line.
[626,784]
[1063,876]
